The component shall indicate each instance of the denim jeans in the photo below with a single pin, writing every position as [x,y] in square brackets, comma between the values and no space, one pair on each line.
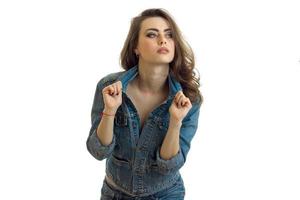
[175,192]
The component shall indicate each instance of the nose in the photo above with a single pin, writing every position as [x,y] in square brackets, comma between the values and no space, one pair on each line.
[162,40]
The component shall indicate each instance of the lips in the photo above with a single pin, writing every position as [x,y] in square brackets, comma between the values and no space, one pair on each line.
[163,50]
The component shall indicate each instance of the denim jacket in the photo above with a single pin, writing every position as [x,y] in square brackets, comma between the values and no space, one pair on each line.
[133,160]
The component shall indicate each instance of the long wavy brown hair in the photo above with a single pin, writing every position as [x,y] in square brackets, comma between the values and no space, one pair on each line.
[183,64]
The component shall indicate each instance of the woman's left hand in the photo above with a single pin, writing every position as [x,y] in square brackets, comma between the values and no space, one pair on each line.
[179,107]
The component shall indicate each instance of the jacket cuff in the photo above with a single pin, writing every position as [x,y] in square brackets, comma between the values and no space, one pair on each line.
[171,165]
[97,149]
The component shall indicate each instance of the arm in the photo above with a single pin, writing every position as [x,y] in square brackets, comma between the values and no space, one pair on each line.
[172,155]
[170,146]
[101,140]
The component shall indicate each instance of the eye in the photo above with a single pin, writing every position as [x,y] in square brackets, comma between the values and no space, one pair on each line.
[151,35]
[169,35]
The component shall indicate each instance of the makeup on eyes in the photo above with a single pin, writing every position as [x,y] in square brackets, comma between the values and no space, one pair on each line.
[151,34]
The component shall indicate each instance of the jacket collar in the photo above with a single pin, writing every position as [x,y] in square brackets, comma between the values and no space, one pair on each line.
[127,76]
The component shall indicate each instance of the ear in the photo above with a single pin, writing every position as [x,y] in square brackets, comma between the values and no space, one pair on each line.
[136,51]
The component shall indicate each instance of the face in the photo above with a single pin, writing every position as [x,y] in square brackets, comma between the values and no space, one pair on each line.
[155,33]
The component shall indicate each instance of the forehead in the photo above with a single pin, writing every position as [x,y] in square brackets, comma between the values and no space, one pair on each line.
[155,22]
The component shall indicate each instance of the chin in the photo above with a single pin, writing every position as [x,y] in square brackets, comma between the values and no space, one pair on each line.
[159,60]
[164,60]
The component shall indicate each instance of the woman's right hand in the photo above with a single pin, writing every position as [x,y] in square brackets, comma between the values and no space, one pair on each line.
[112,96]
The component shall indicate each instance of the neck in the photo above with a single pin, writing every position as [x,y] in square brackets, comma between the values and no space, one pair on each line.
[152,79]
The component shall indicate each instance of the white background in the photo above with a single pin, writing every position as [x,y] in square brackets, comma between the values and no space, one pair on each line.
[52,54]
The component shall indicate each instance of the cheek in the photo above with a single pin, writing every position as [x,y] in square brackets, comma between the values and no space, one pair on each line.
[147,46]
[172,45]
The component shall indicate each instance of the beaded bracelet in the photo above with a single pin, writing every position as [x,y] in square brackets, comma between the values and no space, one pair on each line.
[103,113]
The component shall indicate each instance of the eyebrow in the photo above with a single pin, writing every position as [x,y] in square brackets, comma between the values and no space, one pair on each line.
[155,29]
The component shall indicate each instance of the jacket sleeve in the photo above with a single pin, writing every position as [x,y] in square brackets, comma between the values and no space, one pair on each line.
[187,132]
[94,146]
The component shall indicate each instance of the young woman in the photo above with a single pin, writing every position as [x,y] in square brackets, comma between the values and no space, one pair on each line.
[144,118]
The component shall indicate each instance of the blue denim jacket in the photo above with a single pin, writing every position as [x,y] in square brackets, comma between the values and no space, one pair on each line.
[133,160]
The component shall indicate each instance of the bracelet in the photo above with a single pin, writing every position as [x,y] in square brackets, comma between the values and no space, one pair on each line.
[103,113]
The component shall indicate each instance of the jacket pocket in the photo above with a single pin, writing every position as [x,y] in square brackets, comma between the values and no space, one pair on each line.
[152,166]
[119,168]
[120,161]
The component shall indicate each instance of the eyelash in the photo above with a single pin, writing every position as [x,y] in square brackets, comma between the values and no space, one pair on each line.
[151,34]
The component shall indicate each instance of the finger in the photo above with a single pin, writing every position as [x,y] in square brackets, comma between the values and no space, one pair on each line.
[175,100]
[178,105]
[106,90]
[182,101]
[118,90]
[179,102]
[115,89]
[185,102]
[120,83]
[111,89]
[177,95]
[188,103]
[181,93]
[180,98]
[119,87]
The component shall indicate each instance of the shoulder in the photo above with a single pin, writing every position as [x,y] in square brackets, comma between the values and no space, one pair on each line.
[109,79]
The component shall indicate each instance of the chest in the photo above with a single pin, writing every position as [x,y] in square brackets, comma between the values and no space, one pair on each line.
[144,104]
